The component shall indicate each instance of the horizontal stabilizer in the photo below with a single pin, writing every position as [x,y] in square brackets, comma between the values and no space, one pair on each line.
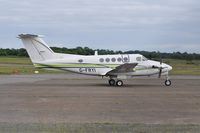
[28,35]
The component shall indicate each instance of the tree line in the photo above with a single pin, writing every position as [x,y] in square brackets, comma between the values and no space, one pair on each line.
[88,51]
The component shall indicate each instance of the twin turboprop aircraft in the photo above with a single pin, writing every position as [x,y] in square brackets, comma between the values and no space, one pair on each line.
[116,67]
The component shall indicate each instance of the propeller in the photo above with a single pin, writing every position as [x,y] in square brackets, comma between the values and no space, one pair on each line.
[160,68]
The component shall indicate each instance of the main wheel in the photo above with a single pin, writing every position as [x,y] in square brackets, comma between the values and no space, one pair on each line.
[111,82]
[119,83]
[168,82]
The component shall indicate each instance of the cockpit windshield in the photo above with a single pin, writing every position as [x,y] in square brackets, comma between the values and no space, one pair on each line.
[144,58]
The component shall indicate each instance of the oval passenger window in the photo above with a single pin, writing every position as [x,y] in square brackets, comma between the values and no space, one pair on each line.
[107,59]
[113,59]
[119,59]
[125,59]
[101,60]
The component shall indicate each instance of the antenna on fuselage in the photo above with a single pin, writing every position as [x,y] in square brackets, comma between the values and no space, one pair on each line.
[96,53]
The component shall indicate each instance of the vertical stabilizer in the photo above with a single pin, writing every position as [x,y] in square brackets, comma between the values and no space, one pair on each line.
[37,49]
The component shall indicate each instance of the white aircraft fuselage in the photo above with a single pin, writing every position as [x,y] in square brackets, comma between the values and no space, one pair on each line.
[100,65]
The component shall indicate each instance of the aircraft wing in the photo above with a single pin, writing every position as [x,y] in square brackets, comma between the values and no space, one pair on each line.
[124,68]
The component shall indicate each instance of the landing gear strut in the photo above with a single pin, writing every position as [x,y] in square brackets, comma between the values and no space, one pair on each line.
[112,82]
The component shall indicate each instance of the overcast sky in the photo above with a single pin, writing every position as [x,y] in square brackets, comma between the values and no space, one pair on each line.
[152,25]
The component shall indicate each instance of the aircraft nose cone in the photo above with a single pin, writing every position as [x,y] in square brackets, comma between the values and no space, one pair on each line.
[169,67]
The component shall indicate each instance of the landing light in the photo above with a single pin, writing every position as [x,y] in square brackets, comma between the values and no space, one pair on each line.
[36,72]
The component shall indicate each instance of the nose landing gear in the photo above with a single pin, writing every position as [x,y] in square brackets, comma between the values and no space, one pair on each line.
[168,81]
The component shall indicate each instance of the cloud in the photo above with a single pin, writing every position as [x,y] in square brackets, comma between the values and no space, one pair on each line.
[146,23]
[95,12]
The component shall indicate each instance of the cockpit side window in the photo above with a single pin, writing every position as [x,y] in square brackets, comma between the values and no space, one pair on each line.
[138,58]
[144,58]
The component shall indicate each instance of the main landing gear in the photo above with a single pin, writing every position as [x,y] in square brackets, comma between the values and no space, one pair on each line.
[112,82]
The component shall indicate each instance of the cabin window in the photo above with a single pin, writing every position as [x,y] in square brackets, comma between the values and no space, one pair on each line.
[125,59]
[113,59]
[119,59]
[80,60]
[107,59]
[138,58]
[101,60]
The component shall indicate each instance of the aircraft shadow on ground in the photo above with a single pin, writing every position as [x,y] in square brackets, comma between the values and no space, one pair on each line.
[95,85]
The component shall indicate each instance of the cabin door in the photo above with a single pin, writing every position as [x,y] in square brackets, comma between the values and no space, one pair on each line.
[125,58]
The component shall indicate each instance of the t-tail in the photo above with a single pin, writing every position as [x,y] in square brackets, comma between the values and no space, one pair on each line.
[37,49]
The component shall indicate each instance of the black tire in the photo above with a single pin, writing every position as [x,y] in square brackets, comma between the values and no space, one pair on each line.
[119,83]
[168,82]
[111,82]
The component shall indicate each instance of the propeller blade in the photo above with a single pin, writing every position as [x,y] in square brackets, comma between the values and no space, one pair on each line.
[160,72]
[161,61]
[160,68]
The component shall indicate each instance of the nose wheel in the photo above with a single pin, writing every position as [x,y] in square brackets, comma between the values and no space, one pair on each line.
[168,82]
[112,82]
